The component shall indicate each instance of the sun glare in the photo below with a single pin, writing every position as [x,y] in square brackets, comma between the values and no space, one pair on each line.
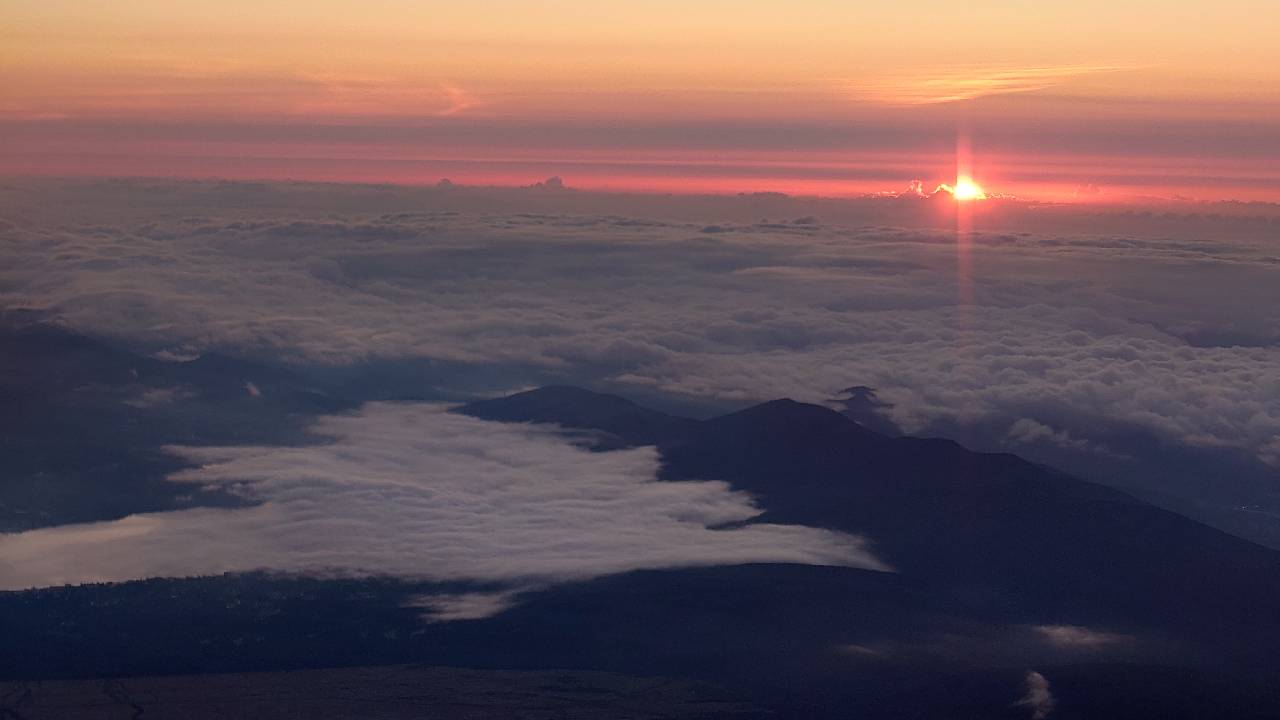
[966,189]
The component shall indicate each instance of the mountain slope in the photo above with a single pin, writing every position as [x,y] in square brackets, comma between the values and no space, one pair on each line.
[1029,542]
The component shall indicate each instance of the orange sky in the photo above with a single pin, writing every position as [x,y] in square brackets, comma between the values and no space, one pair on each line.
[1169,97]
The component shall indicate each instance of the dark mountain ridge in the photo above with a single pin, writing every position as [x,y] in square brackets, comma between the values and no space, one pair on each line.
[1019,538]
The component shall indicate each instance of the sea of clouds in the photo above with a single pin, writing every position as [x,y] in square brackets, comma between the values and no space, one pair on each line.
[1178,336]
[1079,329]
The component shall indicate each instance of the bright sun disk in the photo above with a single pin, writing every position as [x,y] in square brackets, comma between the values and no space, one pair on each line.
[966,189]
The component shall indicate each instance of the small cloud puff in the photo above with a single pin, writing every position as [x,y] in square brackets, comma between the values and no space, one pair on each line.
[1028,431]
[156,397]
[1076,637]
[1038,697]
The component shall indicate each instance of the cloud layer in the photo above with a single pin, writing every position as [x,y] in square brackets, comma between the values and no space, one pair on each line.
[1160,323]
[412,491]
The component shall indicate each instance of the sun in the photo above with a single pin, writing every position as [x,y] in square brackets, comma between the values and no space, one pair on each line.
[966,189]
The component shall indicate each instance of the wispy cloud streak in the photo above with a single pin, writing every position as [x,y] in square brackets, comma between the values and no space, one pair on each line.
[959,84]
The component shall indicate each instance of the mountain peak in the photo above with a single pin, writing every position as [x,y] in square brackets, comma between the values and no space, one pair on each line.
[788,417]
[545,404]
[627,423]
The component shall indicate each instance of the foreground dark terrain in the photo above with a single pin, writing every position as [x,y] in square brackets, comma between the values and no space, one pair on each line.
[381,693]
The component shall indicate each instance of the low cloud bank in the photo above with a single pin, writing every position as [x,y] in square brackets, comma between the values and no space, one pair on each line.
[413,491]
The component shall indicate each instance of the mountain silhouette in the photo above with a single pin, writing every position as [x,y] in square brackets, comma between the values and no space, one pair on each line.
[1020,540]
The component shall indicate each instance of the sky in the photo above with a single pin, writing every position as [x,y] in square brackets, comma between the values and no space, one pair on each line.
[1090,99]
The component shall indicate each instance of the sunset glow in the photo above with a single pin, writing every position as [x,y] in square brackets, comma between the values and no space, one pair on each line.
[1065,96]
